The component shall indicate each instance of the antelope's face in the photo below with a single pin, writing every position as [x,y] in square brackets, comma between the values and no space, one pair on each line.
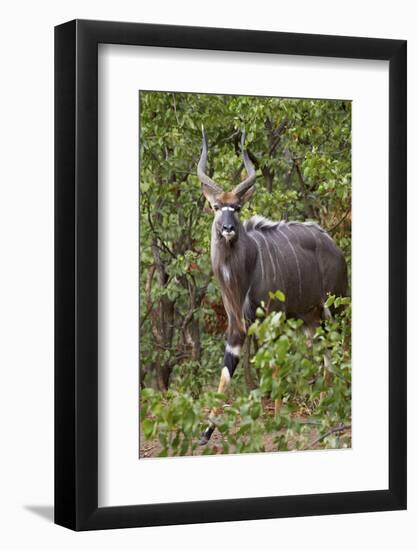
[226,206]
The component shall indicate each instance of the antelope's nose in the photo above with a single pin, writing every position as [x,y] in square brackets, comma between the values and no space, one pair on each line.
[228,228]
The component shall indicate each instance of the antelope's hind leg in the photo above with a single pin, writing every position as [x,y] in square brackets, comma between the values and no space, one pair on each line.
[327,360]
[326,373]
[230,361]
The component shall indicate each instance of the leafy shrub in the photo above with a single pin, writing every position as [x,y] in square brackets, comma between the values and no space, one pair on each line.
[301,149]
[290,372]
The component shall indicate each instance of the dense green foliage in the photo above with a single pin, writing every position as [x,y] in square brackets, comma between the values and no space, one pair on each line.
[301,150]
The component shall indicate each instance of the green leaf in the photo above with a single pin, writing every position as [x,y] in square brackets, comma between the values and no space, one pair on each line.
[330,301]
[148,427]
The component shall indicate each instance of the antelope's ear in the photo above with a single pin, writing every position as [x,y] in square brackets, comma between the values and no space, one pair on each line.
[209,193]
[247,195]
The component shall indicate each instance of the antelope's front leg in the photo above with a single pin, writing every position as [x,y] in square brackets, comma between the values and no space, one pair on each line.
[230,361]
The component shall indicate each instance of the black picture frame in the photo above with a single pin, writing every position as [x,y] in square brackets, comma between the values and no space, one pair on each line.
[76,272]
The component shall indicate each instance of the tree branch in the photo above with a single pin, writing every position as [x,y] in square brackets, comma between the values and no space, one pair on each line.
[336,429]
[148,288]
[345,215]
[157,236]
[309,208]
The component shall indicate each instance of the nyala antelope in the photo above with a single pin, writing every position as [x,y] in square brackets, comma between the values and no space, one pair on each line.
[259,256]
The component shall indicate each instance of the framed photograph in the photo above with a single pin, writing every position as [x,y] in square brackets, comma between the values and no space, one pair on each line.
[230,275]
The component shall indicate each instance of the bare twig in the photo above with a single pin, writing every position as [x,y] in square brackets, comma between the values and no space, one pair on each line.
[276,136]
[345,215]
[336,429]
[155,232]
[148,450]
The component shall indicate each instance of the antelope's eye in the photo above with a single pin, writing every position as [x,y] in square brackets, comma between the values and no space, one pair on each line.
[216,206]
[237,208]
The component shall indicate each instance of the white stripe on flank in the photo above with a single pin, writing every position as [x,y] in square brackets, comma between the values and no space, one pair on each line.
[270,255]
[317,227]
[275,247]
[292,233]
[310,231]
[252,236]
[234,350]
[296,261]
[313,228]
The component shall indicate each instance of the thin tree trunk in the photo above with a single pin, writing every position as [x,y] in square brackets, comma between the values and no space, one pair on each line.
[308,209]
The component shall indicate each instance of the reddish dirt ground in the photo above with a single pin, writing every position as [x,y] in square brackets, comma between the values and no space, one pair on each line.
[152,448]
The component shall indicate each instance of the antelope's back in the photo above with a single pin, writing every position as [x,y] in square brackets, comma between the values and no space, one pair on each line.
[300,259]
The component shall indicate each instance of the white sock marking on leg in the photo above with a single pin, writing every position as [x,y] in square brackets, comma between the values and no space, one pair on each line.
[234,350]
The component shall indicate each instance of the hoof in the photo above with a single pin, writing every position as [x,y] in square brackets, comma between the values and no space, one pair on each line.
[204,440]
[205,436]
